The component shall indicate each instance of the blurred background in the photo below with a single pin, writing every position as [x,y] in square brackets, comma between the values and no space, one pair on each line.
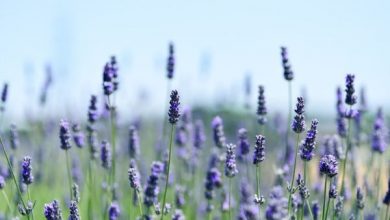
[218,45]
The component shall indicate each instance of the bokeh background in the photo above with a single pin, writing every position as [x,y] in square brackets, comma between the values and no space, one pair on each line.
[218,43]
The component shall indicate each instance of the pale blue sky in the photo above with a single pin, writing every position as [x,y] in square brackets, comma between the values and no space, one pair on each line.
[326,40]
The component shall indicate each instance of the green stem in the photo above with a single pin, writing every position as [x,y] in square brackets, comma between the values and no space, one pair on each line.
[258,184]
[327,208]
[387,213]
[113,142]
[167,177]
[323,204]
[29,198]
[13,174]
[346,156]
[305,172]
[139,204]
[289,113]
[7,201]
[230,205]
[90,190]
[309,207]
[69,174]
[293,176]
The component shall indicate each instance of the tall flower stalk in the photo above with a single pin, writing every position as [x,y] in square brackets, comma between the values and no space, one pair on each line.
[65,139]
[230,170]
[298,126]
[288,76]
[110,85]
[174,115]
[258,157]
[350,100]
[261,109]
[328,167]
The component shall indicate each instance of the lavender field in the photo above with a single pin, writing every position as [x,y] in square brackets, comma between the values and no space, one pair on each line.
[194,110]
[197,162]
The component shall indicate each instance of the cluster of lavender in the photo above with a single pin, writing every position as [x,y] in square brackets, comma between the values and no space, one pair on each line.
[228,185]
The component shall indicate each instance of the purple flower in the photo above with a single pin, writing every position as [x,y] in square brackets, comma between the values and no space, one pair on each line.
[199,136]
[315,208]
[261,108]
[179,196]
[26,171]
[243,144]
[173,111]
[350,97]
[108,80]
[78,136]
[114,211]
[213,180]
[288,73]
[93,114]
[52,211]
[308,145]
[134,176]
[378,138]
[333,191]
[114,70]
[105,154]
[92,142]
[65,135]
[133,142]
[277,205]
[230,163]
[171,61]
[259,153]
[178,215]
[329,165]
[152,189]
[298,124]
[218,133]
[74,211]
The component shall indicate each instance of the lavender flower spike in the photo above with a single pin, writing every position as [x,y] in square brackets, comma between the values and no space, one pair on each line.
[230,163]
[308,145]
[261,108]
[2,182]
[26,171]
[243,144]
[199,136]
[65,135]
[78,136]
[114,211]
[378,139]
[218,133]
[259,154]
[287,72]
[52,211]
[93,114]
[74,211]
[105,155]
[171,61]
[152,189]
[350,97]
[134,176]
[173,111]
[133,142]
[329,165]
[298,124]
